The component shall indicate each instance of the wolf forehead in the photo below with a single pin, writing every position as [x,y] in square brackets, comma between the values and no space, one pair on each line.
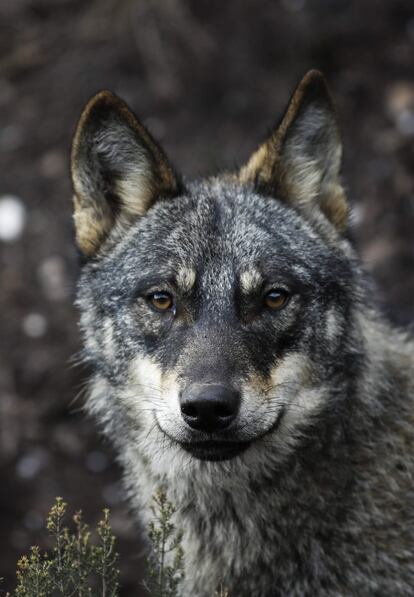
[281,214]
[217,227]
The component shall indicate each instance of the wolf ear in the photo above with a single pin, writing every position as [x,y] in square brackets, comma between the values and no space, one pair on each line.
[118,171]
[300,162]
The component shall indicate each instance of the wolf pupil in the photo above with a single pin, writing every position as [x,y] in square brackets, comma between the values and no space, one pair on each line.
[276,299]
[161,301]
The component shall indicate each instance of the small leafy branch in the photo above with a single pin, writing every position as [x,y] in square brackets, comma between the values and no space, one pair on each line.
[165,564]
[75,567]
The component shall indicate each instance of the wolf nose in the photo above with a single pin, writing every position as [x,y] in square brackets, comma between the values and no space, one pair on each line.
[210,407]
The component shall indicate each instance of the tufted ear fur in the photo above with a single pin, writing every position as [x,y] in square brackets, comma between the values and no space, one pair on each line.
[118,171]
[300,162]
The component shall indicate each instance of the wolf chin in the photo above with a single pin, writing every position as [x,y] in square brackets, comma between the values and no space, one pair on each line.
[239,362]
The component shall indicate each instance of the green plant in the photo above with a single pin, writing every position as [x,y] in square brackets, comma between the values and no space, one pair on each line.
[78,567]
[165,569]
[75,567]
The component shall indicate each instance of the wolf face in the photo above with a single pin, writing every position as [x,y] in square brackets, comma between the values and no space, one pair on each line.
[214,311]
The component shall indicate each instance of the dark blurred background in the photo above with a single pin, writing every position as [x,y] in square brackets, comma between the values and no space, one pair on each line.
[207,77]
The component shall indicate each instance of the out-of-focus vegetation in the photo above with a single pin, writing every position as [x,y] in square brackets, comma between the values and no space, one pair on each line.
[79,565]
[76,565]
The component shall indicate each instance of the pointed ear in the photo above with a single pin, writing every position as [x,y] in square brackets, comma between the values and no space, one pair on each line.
[300,162]
[118,171]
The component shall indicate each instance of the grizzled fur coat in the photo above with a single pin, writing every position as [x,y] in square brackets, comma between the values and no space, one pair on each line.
[239,363]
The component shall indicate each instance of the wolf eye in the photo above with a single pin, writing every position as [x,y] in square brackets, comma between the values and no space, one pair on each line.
[160,301]
[276,299]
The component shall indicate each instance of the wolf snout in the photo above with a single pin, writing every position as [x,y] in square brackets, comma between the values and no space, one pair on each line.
[209,407]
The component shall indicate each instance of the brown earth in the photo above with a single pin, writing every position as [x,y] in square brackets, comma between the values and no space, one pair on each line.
[208,78]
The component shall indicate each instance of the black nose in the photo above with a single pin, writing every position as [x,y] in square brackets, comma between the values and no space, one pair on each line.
[209,407]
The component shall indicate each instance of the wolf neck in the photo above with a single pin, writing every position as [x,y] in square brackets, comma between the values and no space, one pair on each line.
[268,520]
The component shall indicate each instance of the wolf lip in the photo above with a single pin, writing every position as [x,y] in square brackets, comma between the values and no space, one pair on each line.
[215,450]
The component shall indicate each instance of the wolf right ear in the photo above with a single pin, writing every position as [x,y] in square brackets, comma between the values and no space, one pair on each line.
[300,162]
[118,171]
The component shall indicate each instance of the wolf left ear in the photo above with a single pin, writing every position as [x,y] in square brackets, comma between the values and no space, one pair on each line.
[118,171]
[300,162]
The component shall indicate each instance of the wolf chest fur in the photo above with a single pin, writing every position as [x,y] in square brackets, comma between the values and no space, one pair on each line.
[238,361]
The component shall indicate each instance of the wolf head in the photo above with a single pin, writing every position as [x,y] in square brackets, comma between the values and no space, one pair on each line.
[216,314]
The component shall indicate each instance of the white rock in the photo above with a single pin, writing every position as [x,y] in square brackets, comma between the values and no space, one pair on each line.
[12,218]
[34,325]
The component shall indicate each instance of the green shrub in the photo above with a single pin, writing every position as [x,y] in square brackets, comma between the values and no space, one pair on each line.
[165,563]
[77,566]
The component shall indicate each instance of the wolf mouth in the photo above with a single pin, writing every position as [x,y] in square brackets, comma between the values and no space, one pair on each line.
[219,450]
[215,450]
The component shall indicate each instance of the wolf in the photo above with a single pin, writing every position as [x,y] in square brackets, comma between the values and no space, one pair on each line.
[239,360]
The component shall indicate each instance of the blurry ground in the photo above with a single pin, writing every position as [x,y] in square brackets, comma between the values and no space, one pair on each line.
[207,77]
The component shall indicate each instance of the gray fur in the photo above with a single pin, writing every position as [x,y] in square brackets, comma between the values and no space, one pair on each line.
[322,501]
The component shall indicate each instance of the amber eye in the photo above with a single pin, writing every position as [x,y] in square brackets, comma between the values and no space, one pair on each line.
[161,301]
[276,299]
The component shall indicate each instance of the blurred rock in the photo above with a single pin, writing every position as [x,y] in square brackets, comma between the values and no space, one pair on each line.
[34,325]
[12,218]
[30,465]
